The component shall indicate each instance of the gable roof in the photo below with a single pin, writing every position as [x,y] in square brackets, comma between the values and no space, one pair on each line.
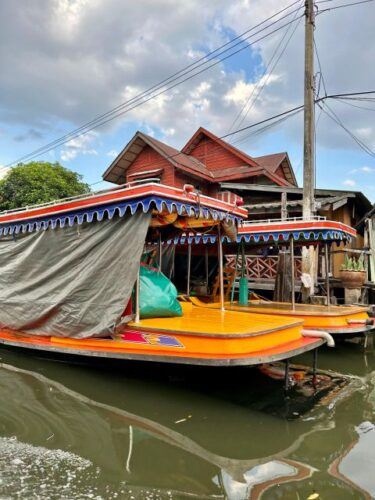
[202,132]
[115,172]
[273,161]
[182,160]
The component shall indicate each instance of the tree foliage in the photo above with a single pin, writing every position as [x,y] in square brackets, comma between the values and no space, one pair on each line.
[38,182]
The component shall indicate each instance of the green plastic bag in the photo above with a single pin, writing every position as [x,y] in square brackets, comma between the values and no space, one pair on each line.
[158,295]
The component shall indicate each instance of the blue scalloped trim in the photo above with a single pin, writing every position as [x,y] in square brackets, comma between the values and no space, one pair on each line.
[279,236]
[311,235]
[110,210]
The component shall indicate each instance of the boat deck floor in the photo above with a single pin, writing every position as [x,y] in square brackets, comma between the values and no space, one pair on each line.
[201,336]
[283,308]
[214,322]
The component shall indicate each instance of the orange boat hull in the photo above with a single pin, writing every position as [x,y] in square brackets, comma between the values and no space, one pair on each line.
[201,337]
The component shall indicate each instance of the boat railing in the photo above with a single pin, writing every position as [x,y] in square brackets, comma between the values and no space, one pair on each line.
[314,218]
[127,185]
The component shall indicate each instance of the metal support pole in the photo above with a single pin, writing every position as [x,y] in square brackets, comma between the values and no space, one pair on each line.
[221,270]
[293,280]
[286,376]
[206,266]
[188,270]
[137,305]
[315,366]
[160,253]
[326,250]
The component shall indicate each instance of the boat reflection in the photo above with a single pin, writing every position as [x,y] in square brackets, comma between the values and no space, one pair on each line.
[110,434]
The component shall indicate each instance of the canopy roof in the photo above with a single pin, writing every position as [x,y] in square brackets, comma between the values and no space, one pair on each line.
[278,231]
[118,201]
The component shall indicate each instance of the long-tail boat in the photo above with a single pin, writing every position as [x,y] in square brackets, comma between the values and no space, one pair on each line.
[338,321]
[70,267]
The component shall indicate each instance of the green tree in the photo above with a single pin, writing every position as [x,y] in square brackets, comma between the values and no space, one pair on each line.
[38,182]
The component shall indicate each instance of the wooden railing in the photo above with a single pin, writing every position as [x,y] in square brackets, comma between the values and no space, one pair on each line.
[259,268]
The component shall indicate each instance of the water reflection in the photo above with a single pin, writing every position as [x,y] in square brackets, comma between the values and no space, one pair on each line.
[73,431]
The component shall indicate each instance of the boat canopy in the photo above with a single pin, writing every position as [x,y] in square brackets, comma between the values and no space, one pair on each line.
[278,231]
[125,200]
[68,268]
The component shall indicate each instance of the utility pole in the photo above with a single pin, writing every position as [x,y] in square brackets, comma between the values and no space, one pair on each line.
[308,145]
[308,203]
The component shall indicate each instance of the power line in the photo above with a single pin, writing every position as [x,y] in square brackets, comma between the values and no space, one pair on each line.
[344,101]
[337,120]
[348,95]
[119,110]
[343,6]
[259,82]
[280,116]
[212,153]
[268,126]
[320,69]
[251,101]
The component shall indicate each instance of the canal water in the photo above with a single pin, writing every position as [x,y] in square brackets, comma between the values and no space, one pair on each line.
[72,431]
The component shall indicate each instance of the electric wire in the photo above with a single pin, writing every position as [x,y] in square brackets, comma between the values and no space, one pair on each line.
[343,6]
[261,82]
[291,111]
[320,69]
[329,112]
[264,83]
[119,110]
[343,101]
[268,121]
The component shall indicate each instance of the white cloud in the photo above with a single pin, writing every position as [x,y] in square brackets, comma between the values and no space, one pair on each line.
[112,153]
[86,70]
[79,145]
[349,183]
[241,90]
[367,170]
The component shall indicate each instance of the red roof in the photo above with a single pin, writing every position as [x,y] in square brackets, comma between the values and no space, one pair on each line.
[203,132]
[183,160]
[273,161]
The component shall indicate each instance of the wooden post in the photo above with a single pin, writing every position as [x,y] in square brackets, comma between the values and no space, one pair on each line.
[286,376]
[284,206]
[221,270]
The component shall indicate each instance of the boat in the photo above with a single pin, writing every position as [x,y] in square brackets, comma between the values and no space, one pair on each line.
[339,321]
[78,289]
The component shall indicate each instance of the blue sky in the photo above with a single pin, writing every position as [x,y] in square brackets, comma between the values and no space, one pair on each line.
[76,68]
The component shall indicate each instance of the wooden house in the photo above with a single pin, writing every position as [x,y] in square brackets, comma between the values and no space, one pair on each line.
[266,183]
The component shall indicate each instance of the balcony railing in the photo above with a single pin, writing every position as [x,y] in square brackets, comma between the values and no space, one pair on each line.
[313,218]
[260,268]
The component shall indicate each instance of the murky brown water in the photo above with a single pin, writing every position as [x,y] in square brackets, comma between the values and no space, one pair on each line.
[72,431]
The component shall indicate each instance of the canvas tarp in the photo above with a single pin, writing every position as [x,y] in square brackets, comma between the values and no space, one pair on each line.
[72,281]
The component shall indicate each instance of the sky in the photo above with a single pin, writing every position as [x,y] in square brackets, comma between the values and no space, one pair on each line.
[66,61]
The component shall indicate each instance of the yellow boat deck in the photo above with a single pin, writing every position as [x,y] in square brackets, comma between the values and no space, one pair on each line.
[213,322]
[283,308]
[331,319]
[201,336]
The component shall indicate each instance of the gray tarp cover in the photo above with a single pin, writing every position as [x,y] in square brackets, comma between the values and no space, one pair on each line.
[71,281]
